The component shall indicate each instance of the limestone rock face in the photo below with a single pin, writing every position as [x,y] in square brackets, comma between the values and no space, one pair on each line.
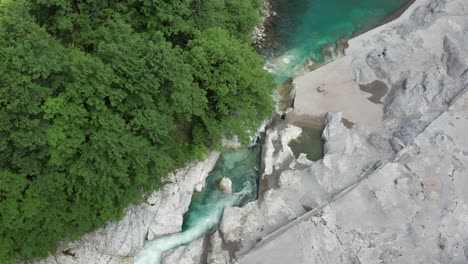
[275,209]
[217,255]
[411,210]
[421,56]
[238,222]
[161,214]
[225,185]
[296,185]
[347,157]
[276,151]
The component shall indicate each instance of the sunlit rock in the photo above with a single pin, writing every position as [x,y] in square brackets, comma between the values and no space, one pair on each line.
[225,185]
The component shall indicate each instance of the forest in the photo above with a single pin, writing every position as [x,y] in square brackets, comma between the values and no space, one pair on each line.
[100,99]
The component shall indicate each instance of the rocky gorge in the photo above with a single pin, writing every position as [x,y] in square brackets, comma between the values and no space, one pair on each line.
[390,187]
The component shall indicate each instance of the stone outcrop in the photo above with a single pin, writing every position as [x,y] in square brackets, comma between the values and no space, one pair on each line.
[225,185]
[238,221]
[217,254]
[296,185]
[275,151]
[411,210]
[421,56]
[160,215]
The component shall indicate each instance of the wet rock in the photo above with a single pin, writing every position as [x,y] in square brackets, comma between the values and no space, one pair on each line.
[232,143]
[199,187]
[225,185]
[276,151]
[258,33]
[335,50]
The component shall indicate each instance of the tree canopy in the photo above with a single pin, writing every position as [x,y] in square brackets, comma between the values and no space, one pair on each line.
[100,99]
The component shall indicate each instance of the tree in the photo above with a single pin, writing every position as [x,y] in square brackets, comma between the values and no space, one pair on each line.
[232,75]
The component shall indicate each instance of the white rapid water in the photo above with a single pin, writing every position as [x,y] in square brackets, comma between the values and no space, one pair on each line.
[207,207]
[153,251]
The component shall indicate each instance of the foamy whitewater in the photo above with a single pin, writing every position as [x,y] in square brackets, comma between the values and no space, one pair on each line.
[152,253]
[207,207]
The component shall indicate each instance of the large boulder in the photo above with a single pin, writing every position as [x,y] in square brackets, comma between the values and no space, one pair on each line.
[225,185]
[275,209]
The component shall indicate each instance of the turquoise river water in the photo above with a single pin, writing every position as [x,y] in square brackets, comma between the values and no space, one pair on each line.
[206,207]
[303,28]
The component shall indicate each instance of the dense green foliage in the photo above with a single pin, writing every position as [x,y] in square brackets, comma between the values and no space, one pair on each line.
[99,99]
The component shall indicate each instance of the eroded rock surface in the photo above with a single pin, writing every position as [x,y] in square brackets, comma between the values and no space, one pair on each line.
[225,185]
[412,210]
[217,254]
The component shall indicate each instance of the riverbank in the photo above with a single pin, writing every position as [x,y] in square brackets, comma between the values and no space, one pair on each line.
[332,87]
[335,89]
[307,34]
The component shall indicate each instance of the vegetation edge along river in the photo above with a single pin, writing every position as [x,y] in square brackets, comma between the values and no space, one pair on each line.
[101,99]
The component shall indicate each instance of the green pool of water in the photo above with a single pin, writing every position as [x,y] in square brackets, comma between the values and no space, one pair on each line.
[309,142]
[304,27]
